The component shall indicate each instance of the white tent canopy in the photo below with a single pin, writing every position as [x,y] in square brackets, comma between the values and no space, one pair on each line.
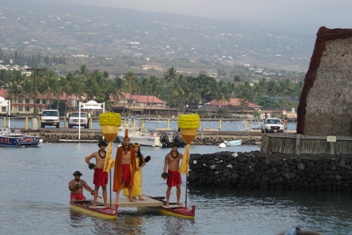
[93,105]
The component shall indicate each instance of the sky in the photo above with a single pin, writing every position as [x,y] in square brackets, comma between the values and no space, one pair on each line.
[329,13]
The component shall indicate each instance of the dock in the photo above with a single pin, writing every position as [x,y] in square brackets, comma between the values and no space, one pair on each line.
[124,202]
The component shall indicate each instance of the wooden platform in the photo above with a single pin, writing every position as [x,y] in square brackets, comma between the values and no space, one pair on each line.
[124,202]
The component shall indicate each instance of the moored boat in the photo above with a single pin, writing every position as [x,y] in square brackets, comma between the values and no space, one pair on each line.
[233,143]
[9,139]
[143,137]
[98,211]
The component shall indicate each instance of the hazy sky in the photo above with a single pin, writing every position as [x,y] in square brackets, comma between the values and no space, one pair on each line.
[332,14]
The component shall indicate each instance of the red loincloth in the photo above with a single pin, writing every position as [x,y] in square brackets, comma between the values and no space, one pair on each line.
[174,178]
[100,177]
[78,197]
[126,173]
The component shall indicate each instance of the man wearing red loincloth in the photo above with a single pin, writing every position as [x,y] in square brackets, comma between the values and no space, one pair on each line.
[173,176]
[125,167]
[100,177]
[76,187]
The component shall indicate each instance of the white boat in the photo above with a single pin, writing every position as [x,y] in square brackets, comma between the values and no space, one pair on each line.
[138,135]
[233,143]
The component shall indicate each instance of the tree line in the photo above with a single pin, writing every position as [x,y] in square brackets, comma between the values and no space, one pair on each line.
[21,59]
[178,90]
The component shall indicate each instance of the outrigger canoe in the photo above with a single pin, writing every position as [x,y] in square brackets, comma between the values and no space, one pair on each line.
[98,211]
[176,210]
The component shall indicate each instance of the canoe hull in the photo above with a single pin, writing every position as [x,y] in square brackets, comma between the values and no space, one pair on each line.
[174,210]
[182,212]
[104,213]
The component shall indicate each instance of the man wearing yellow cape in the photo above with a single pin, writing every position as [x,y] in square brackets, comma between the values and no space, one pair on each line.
[125,167]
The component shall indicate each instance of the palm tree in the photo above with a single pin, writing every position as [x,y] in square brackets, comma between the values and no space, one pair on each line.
[179,87]
[14,92]
[194,95]
[118,88]
[129,77]
[170,74]
[49,86]
[61,89]
[245,93]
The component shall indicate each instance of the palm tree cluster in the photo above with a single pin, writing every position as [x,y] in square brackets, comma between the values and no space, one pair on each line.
[178,90]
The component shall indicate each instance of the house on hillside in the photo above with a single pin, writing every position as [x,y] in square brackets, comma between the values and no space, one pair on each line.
[142,105]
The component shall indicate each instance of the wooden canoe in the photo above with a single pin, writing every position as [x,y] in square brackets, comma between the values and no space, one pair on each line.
[176,210]
[183,212]
[98,211]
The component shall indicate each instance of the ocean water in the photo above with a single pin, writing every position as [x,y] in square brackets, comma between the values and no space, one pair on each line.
[35,196]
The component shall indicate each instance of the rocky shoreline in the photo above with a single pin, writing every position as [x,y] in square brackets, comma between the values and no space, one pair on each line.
[273,171]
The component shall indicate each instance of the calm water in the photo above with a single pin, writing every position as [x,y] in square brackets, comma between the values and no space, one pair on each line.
[35,197]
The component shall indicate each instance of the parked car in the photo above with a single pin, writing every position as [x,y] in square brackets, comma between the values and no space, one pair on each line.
[272,125]
[50,117]
[74,120]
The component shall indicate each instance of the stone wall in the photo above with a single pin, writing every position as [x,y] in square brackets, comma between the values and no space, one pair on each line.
[258,170]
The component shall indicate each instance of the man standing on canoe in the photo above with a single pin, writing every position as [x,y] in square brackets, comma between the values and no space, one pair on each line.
[76,187]
[172,174]
[125,167]
[100,177]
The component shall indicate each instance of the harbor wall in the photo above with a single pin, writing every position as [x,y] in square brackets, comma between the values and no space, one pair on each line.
[271,171]
[203,138]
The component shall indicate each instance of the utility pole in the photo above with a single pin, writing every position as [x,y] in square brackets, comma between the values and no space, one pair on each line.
[35,89]
[34,119]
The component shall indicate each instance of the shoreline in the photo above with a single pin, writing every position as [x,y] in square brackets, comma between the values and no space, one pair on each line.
[66,135]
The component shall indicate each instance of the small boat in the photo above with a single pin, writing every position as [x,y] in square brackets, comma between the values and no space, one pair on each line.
[176,139]
[17,139]
[143,137]
[176,210]
[233,143]
[85,207]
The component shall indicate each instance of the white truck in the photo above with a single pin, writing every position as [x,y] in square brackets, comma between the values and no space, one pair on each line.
[272,125]
[50,117]
[74,120]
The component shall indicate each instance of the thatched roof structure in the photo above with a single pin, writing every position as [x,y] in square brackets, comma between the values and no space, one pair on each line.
[325,106]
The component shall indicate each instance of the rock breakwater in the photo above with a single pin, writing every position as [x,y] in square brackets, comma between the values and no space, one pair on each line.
[257,170]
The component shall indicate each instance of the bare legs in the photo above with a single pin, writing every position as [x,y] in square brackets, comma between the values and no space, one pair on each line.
[105,196]
[130,198]
[178,195]
[168,191]
[96,190]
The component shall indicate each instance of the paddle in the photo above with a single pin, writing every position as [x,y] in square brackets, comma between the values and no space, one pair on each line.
[147,158]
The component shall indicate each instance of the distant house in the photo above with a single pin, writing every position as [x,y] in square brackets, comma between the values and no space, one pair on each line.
[234,107]
[149,66]
[141,105]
